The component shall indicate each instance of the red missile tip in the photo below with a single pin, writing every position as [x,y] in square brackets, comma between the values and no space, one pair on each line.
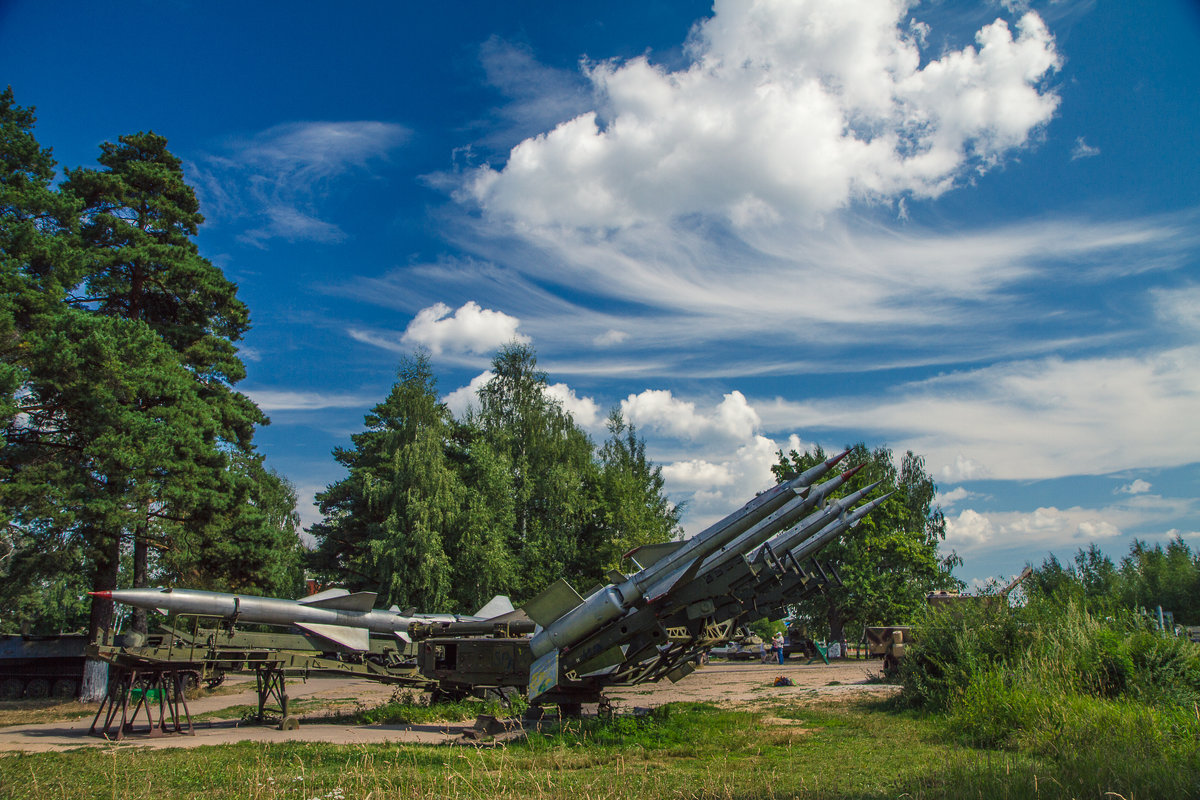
[837,458]
[104,595]
[850,473]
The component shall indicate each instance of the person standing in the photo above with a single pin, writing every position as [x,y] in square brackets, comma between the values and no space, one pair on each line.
[779,641]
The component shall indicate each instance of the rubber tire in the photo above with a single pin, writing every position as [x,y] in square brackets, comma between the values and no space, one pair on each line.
[65,688]
[12,689]
[37,688]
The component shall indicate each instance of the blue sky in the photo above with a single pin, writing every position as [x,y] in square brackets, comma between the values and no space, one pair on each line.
[967,229]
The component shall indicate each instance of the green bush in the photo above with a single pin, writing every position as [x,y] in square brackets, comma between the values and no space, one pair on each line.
[1112,702]
[1107,668]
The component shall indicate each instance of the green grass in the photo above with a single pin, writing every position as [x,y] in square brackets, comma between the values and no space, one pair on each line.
[844,750]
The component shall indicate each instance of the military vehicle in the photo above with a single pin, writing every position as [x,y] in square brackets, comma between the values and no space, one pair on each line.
[659,621]
[41,666]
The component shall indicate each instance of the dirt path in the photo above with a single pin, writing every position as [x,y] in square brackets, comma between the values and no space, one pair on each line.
[724,683]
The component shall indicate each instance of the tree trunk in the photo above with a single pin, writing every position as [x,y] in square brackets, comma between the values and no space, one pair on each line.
[137,620]
[836,623]
[95,673]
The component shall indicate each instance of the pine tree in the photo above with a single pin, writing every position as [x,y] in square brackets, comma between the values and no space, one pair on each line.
[38,261]
[139,217]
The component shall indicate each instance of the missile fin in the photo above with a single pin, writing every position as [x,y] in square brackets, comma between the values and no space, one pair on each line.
[609,658]
[684,579]
[404,637]
[498,605]
[324,595]
[543,675]
[616,576]
[165,612]
[649,554]
[681,672]
[350,638]
[359,601]
[557,599]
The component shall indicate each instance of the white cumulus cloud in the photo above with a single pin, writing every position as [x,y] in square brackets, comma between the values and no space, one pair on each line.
[466,398]
[786,111]
[659,410]
[584,410]
[952,497]
[470,329]
[1179,305]
[1138,486]
[1037,531]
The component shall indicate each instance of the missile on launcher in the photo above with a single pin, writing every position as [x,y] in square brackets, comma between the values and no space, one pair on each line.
[337,615]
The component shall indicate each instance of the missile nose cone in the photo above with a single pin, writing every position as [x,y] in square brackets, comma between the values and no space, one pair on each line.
[103,595]
[830,462]
[850,473]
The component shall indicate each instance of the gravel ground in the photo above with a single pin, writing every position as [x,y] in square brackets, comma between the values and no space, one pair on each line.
[725,683]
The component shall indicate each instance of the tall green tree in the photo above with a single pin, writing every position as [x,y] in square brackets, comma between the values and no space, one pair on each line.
[633,504]
[386,523]
[557,528]
[1153,576]
[117,361]
[38,261]
[891,560]
[142,265]
[482,562]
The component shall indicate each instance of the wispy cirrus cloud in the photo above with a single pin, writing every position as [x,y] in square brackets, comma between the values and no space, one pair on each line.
[271,400]
[789,300]
[1029,419]
[275,183]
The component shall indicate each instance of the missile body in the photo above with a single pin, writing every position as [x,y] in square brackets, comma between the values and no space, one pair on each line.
[766,529]
[614,600]
[815,525]
[335,614]
[809,548]
[717,595]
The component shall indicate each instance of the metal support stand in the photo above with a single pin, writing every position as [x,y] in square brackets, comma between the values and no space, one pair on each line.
[144,687]
[270,682]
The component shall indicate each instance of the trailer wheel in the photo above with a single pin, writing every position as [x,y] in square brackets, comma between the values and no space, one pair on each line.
[64,688]
[38,688]
[12,688]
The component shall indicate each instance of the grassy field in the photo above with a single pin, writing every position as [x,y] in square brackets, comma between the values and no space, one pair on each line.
[845,750]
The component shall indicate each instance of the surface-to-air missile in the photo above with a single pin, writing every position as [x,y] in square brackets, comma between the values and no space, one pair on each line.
[624,622]
[660,637]
[344,618]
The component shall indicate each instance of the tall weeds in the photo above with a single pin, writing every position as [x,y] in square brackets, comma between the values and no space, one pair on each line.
[1115,704]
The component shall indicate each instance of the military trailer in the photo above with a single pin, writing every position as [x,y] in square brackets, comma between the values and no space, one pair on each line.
[41,666]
